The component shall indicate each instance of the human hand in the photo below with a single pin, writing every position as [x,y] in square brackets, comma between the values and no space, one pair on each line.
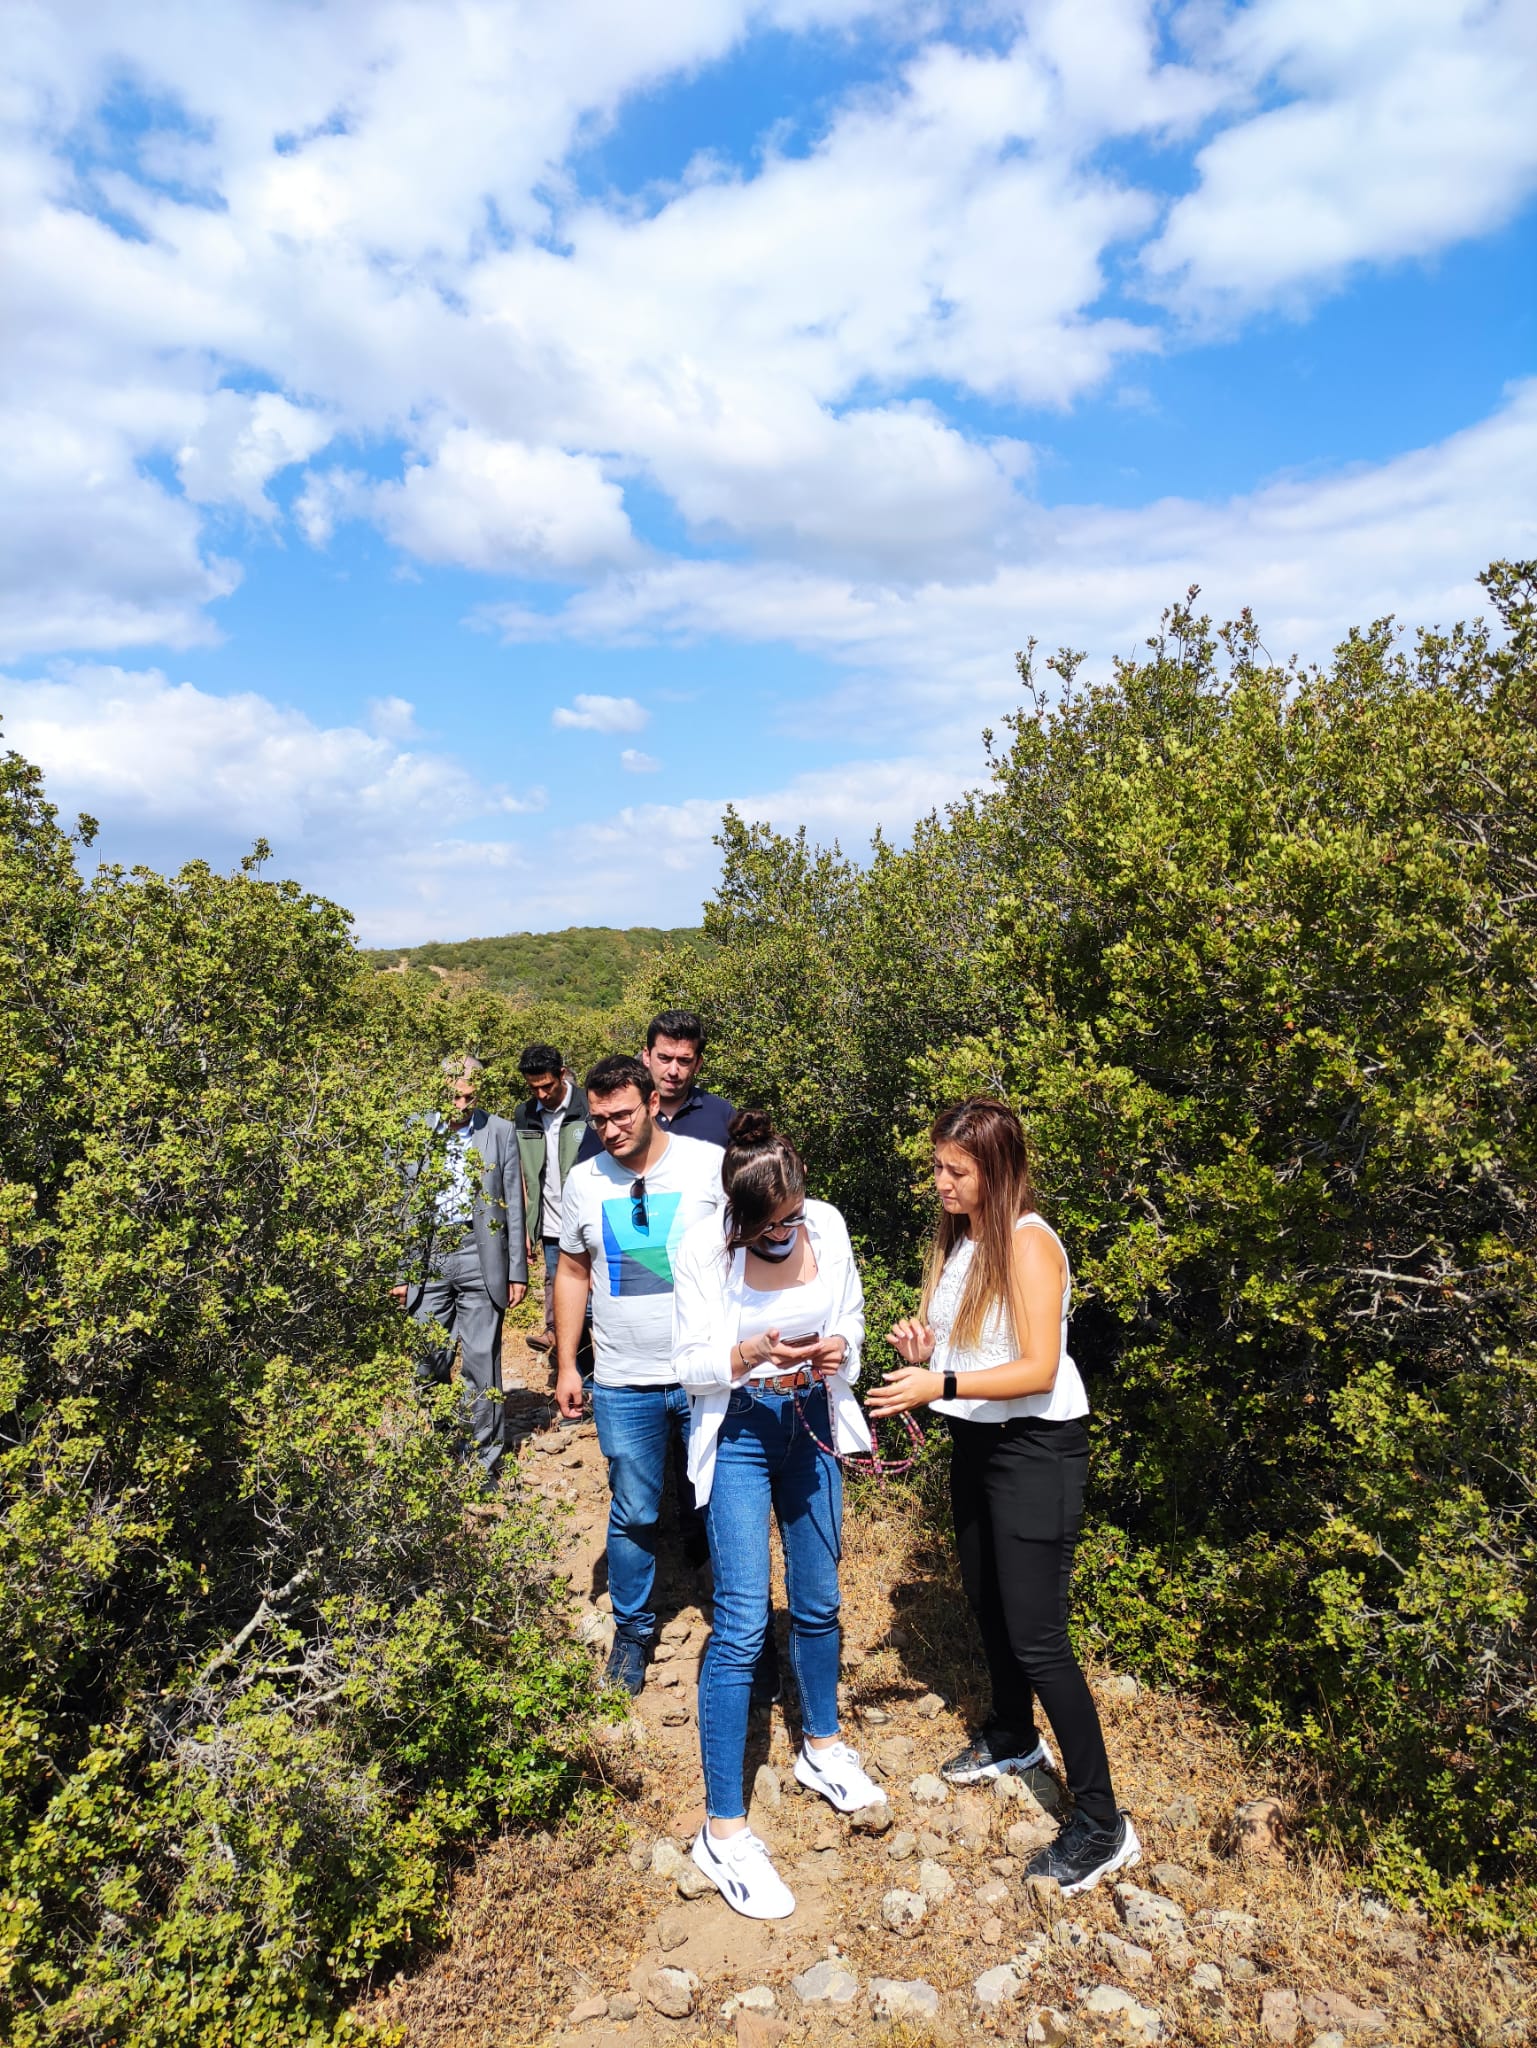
[912,1387]
[789,1354]
[912,1340]
[827,1357]
[398,1296]
[515,1292]
[568,1392]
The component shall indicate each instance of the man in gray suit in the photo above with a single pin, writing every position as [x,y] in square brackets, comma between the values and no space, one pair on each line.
[473,1266]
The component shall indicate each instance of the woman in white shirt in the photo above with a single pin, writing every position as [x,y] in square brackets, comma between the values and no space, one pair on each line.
[989,1352]
[768,1318]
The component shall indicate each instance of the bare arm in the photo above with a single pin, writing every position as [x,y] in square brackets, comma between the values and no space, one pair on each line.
[573,1279]
[1039,1278]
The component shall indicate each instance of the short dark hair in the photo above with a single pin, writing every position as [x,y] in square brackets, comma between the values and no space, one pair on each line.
[676,1024]
[620,1070]
[539,1059]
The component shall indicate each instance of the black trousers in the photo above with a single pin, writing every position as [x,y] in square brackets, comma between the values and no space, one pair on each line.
[1016,1491]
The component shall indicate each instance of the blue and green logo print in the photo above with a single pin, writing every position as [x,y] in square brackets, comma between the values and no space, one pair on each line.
[639,1261]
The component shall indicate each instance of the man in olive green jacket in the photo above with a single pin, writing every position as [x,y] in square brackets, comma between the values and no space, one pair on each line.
[553,1133]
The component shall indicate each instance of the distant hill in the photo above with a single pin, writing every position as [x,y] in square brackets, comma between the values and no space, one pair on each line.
[587,965]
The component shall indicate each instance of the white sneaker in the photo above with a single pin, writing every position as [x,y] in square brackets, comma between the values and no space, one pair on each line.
[835,1773]
[738,1866]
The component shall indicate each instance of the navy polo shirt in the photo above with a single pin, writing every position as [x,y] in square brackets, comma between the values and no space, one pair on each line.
[702,1115]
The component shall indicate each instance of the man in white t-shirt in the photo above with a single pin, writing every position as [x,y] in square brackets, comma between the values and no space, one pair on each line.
[622,1216]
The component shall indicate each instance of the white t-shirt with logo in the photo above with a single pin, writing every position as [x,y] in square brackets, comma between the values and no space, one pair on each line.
[632,1264]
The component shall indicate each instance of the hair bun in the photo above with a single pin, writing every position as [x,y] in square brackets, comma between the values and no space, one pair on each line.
[750,1128]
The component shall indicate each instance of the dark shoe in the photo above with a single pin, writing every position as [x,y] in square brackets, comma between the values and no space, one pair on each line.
[1084,1852]
[540,1340]
[990,1755]
[627,1664]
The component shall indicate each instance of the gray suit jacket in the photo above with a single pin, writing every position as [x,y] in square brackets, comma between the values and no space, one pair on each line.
[496,1218]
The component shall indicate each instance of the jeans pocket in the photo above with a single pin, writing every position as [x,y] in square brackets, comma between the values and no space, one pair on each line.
[740,1402]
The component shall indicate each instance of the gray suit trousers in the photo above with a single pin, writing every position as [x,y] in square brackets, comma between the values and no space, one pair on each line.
[455,1297]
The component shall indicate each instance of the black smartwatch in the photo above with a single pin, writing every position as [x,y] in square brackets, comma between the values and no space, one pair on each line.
[949,1393]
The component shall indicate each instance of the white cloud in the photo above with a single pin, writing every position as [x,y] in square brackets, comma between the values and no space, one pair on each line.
[392,718]
[372,210]
[415,843]
[240,445]
[601,714]
[1400,130]
[497,505]
[1310,557]
[133,747]
[94,554]
[373,213]
[634,762]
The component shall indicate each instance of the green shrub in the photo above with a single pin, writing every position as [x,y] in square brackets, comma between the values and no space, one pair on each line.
[584,967]
[259,1675]
[1254,951]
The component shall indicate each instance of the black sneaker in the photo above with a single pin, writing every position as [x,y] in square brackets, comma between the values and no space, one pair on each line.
[627,1665]
[990,1755]
[1084,1852]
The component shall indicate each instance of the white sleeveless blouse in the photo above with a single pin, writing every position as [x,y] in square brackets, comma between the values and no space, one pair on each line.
[1063,1402]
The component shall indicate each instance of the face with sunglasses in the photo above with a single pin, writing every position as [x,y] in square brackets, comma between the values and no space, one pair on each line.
[776,1241]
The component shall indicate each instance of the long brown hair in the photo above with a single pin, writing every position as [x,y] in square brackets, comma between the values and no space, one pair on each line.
[991,1134]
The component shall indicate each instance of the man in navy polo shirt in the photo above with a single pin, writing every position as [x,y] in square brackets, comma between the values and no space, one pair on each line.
[674,1054]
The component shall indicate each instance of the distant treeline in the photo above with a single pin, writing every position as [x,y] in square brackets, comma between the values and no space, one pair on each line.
[587,965]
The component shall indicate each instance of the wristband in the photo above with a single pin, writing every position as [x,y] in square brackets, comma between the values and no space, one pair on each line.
[949,1393]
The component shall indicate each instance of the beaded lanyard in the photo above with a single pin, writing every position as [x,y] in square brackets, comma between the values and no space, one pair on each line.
[859,1461]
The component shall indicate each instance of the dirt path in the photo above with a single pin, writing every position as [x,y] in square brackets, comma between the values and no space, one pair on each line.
[561,1941]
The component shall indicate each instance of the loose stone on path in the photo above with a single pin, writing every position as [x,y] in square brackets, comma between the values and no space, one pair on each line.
[1149,1916]
[871,1820]
[1107,2001]
[897,1998]
[826,1983]
[672,1992]
[767,1789]
[904,1912]
[997,1988]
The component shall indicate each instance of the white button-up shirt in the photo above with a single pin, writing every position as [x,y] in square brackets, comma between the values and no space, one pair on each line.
[706,1309]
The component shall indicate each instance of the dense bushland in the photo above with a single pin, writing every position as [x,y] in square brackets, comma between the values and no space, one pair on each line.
[586,966]
[413,1017]
[1254,950]
[260,1673]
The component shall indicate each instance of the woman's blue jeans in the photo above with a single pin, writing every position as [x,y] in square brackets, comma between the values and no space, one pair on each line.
[767,1464]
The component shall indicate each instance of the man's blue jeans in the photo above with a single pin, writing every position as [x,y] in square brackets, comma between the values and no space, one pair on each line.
[636,1428]
[766,1463]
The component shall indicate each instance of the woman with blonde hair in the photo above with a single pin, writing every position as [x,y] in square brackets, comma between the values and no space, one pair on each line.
[988,1351]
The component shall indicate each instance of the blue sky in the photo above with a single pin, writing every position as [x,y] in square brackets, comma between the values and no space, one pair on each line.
[470,444]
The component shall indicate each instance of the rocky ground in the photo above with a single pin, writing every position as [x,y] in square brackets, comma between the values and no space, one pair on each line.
[914,1926]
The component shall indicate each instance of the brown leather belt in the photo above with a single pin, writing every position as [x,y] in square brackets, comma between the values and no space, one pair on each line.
[788,1382]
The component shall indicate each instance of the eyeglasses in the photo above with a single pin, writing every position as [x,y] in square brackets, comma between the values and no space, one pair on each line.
[785,1223]
[621,1119]
[638,1215]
